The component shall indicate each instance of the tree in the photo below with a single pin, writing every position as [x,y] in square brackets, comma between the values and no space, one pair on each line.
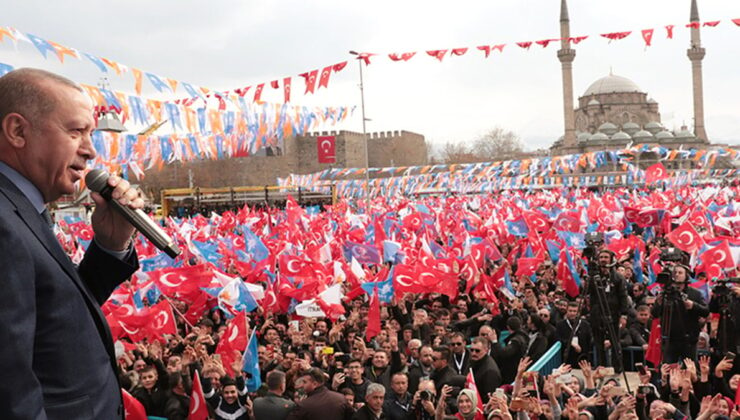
[497,144]
[457,152]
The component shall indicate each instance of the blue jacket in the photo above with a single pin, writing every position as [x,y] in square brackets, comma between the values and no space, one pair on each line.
[57,355]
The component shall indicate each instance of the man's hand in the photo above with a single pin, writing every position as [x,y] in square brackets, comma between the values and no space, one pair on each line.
[688,304]
[112,230]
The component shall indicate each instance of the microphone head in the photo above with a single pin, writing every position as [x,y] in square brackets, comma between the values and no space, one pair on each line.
[96,180]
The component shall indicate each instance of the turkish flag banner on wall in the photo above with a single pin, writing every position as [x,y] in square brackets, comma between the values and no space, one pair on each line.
[325,145]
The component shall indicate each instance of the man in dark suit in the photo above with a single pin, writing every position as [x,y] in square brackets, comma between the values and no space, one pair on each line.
[320,403]
[273,405]
[57,355]
[580,344]
[460,357]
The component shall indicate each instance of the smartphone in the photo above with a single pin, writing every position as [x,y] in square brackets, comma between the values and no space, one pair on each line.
[565,378]
[617,391]
[641,368]
[518,404]
[500,393]
[730,355]
[328,350]
[607,371]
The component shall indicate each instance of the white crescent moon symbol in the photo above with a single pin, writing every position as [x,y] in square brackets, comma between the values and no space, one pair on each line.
[239,242]
[160,321]
[401,282]
[129,332]
[722,254]
[426,274]
[686,242]
[196,400]
[234,333]
[325,145]
[271,301]
[164,281]
[291,268]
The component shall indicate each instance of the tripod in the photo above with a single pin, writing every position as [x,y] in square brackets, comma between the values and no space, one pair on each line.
[596,281]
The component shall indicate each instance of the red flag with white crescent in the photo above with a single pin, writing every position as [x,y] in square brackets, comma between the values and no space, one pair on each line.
[198,409]
[326,149]
[286,89]
[470,384]
[656,172]
[685,238]
[654,353]
[647,36]
[325,75]
[132,407]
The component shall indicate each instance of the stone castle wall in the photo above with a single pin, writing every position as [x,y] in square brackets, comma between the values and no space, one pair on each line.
[299,156]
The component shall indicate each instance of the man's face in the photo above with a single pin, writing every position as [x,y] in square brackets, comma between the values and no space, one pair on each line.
[173,364]
[680,276]
[322,327]
[262,354]
[139,365]
[425,356]
[307,384]
[643,317]
[400,384]
[149,379]
[604,259]
[57,145]
[380,359]
[271,336]
[477,351]
[408,335]
[229,393]
[438,361]
[485,331]
[445,319]
[355,370]
[439,330]
[215,380]
[414,350]
[288,360]
[375,401]
[572,312]
[457,344]
[544,315]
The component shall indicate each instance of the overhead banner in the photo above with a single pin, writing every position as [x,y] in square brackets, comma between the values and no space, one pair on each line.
[326,149]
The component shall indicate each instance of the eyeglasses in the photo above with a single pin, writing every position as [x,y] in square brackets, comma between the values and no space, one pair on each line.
[456,344]
[476,350]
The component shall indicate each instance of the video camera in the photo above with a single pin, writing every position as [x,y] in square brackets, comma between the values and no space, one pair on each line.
[669,257]
[593,240]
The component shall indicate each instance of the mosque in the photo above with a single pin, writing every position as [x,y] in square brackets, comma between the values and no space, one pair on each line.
[615,112]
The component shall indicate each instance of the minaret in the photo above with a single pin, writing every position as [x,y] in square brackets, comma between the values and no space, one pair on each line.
[696,54]
[566,55]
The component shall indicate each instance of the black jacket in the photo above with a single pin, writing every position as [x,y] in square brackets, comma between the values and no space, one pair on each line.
[398,408]
[487,376]
[615,289]
[508,356]
[461,365]
[446,376]
[585,339]
[364,413]
[684,322]
[272,406]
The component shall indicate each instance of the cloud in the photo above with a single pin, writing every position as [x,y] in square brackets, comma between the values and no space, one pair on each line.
[231,43]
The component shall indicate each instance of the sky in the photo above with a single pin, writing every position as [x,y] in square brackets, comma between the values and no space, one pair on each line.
[228,44]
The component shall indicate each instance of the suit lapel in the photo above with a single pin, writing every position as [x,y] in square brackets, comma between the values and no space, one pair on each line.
[35,223]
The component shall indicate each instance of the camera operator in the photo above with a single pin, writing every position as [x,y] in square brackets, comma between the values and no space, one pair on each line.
[679,307]
[615,291]
[726,302]
[425,401]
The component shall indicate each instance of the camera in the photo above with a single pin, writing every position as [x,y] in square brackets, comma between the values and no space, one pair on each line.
[426,395]
[645,389]
[593,242]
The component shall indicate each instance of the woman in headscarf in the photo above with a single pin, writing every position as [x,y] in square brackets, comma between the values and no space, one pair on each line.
[467,406]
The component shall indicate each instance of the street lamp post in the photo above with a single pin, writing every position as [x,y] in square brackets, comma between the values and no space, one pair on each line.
[364,136]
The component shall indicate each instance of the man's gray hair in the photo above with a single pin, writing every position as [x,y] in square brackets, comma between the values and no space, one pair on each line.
[374,388]
[23,91]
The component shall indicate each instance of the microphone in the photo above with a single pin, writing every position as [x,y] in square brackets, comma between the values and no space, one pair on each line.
[97,180]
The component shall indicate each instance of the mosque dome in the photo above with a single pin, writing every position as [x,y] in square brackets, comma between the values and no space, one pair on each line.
[664,136]
[583,137]
[621,136]
[612,84]
[643,135]
[594,102]
[654,127]
[598,137]
[630,128]
[608,128]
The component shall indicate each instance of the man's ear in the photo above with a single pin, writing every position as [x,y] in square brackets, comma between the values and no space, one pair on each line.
[15,129]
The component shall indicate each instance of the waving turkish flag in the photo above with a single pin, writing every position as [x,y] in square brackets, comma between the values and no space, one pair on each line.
[133,408]
[198,409]
[654,353]
[655,173]
[161,320]
[685,238]
[720,255]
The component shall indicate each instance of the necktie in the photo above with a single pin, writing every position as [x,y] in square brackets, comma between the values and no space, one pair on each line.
[47,218]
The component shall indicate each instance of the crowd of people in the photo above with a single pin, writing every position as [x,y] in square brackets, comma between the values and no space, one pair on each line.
[468,356]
